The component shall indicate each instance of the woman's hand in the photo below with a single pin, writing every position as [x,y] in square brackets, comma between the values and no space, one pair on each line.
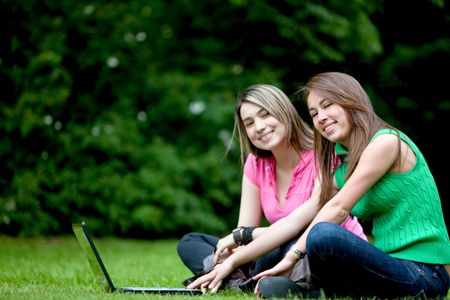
[224,248]
[283,268]
[213,280]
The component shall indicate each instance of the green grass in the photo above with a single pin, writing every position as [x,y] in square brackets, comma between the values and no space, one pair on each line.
[55,268]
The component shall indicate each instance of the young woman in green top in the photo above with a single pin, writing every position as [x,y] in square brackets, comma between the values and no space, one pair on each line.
[383,177]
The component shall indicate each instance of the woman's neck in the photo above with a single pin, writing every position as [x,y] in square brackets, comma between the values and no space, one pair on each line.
[286,158]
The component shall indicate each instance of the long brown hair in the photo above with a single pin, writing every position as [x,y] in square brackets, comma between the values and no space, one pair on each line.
[346,91]
[275,101]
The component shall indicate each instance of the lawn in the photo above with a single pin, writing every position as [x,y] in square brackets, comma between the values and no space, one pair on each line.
[56,268]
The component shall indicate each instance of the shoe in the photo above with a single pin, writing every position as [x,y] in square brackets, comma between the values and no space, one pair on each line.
[247,285]
[282,287]
[277,287]
[239,279]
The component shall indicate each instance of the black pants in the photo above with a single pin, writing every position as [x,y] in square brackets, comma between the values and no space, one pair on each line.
[194,247]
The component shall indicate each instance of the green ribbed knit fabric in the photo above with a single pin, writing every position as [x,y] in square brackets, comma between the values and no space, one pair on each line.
[406,211]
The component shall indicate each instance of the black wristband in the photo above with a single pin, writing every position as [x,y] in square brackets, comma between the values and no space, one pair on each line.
[237,235]
[247,235]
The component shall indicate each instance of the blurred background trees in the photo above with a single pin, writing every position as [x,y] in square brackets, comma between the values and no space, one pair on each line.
[120,112]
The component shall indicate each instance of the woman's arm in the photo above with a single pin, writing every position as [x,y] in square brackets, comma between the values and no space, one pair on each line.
[377,159]
[250,213]
[281,231]
[274,236]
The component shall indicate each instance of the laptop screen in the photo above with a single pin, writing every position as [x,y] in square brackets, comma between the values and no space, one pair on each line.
[97,266]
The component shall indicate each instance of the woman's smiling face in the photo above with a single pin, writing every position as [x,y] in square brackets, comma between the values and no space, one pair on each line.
[329,119]
[263,130]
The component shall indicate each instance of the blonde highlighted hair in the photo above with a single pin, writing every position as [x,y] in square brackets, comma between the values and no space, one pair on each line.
[277,104]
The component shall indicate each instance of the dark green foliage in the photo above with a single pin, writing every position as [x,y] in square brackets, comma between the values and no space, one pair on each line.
[120,112]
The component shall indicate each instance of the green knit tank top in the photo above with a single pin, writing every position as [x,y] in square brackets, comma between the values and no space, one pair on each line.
[405,209]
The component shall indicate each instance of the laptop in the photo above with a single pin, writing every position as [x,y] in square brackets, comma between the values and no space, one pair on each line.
[102,276]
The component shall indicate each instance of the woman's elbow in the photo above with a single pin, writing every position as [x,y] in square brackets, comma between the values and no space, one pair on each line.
[338,212]
[342,214]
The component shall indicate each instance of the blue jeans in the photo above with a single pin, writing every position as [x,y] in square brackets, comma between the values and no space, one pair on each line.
[346,265]
[194,247]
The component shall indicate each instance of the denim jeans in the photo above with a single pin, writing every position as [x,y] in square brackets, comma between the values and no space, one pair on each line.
[194,247]
[346,265]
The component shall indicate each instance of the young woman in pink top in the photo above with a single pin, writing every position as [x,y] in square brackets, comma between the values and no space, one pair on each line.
[279,177]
